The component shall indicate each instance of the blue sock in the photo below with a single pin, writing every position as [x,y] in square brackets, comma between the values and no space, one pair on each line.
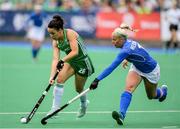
[124,102]
[35,52]
[158,93]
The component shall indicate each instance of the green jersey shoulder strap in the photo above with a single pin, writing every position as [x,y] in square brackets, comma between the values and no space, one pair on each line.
[65,46]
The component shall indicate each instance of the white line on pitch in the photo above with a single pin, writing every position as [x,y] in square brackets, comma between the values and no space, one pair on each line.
[96,112]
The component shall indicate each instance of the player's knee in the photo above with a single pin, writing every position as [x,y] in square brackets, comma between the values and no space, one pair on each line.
[130,88]
[60,80]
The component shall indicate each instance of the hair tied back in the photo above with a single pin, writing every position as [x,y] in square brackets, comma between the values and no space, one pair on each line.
[57,18]
[127,27]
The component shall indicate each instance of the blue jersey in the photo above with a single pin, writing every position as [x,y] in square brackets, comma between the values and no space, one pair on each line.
[37,19]
[133,52]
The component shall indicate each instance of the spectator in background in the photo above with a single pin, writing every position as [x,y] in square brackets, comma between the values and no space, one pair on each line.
[126,6]
[51,5]
[141,7]
[68,6]
[87,6]
[159,6]
[167,4]
[173,17]
[6,5]
[36,29]
[24,4]
[107,6]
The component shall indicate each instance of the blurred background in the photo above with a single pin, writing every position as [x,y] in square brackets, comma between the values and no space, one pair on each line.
[93,19]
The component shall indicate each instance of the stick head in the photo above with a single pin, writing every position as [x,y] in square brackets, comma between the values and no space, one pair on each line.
[43,122]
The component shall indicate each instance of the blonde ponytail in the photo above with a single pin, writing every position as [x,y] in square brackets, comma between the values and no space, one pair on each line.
[127,27]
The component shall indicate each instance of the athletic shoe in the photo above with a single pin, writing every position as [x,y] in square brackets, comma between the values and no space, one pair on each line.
[118,117]
[164,89]
[82,110]
[51,111]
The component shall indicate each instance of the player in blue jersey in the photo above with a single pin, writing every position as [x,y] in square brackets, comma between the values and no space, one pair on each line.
[143,68]
[36,28]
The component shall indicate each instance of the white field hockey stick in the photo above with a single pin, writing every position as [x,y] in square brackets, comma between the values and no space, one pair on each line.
[44,120]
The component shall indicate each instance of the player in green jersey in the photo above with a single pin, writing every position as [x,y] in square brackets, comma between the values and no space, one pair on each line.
[76,62]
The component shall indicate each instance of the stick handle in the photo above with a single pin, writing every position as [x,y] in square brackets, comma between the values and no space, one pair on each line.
[49,86]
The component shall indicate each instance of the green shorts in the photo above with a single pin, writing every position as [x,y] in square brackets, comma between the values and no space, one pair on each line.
[83,67]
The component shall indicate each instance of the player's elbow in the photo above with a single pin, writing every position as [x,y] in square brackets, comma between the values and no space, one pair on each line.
[74,53]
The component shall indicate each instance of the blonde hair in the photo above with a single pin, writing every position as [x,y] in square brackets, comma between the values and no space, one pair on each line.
[125,26]
[122,30]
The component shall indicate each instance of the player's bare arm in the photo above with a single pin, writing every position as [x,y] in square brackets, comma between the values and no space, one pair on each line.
[72,36]
[56,56]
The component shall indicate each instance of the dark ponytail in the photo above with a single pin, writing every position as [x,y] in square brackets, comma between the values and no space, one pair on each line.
[57,22]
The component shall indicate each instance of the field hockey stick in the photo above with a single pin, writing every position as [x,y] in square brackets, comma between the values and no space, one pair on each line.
[25,120]
[44,120]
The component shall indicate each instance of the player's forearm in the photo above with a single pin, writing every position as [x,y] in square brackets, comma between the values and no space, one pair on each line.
[70,56]
[53,67]
[111,67]
[105,73]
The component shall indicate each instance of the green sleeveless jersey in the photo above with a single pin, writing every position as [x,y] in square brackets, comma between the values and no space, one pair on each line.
[65,46]
[81,63]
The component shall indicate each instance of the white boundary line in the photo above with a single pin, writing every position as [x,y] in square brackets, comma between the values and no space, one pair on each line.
[88,128]
[99,112]
[95,112]
[168,127]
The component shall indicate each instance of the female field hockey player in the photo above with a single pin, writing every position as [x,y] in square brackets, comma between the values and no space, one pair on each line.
[143,67]
[76,62]
[36,29]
